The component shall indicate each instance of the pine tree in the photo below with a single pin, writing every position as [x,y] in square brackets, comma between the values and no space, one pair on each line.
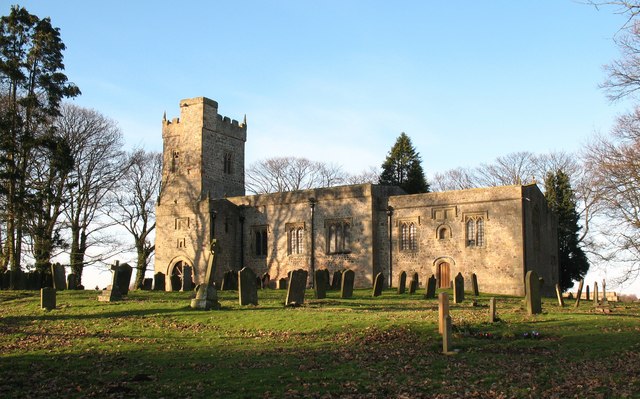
[561,199]
[403,167]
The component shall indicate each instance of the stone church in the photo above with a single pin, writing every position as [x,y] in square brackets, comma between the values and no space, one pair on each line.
[498,233]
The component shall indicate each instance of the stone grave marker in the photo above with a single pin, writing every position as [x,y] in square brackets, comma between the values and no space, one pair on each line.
[112,292]
[21,280]
[579,293]
[282,284]
[159,282]
[447,334]
[296,288]
[474,284]
[264,280]
[458,289]
[348,278]
[605,301]
[247,288]
[596,296]
[587,298]
[59,277]
[229,281]
[124,278]
[559,295]
[321,283]
[71,282]
[327,279]
[48,298]
[147,284]
[413,283]
[206,294]
[533,300]
[336,282]
[377,284]
[402,282]
[431,287]
[492,310]
[443,310]
[187,279]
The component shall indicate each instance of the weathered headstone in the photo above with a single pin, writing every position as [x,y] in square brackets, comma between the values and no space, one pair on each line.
[282,284]
[72,284]
[458,289]
[187,280]
[159,283]
[296,288]
[402,282]
[59,277]
[559,295]
[21,280]
[336,282]
[579,293]
[206,294]
[533,300]
[48,298]
[431,288]
[474,284]
[377,284]
[413,283]
[596,296]
[112,292]
[348,278]
[443,310]
[327,279]
[264,280]
[147,284]
[230,281]
[321,283]
[587,298]
[492,310]
[124,278]
[447,334]
[605,301]
[247,289]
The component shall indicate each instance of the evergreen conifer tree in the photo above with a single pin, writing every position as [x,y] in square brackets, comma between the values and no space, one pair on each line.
[403,167]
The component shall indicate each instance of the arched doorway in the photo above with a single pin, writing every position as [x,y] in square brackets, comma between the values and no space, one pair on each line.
[176,275]
[443,274]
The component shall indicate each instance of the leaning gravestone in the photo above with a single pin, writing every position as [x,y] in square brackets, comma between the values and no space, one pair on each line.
[336,282]
[297,286]
[282,284]
[533,300]
[474,284]
[402,282]
[48,298]
[206,295]
[458,289]
[247,288]
[124,278]
[320,284]
[348,278]
[112,293]
[159,282]
[431,288]
[559,295]
[187,279]
[413,284]
[377,284]
[72,284]
[59,278]
[147,284]
[579,293]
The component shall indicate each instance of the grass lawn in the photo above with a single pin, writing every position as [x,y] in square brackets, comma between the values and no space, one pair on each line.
[153,345]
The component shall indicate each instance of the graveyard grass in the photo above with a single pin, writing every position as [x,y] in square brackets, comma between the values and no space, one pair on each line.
[153,345]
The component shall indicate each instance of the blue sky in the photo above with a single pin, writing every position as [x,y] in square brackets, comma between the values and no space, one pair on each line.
[338,81]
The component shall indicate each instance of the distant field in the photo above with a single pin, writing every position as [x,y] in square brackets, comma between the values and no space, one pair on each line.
[153,345]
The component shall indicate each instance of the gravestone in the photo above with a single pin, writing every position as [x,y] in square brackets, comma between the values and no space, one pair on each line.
[474,284]
[327,279]
[176,283]
[321,283]
[431,288]
[230,281]
[402,282]
[559,295]
[492,310]
[447,333]
[296,288]
[579,293]
[458,289]
[206,295]
[596,297]
[159,282]
[587,298]
[605,301]
[377,284]
[124,278]
[59,278]
[147,284]
[4,280]
[33,280]
[413,284]
[187,279]
[264,280]
[21,280]
[282,284]
[112,292]
[533,300]
[47,298]
[71,282]
[336,282]
[348,278]
[247,288]
[443,310]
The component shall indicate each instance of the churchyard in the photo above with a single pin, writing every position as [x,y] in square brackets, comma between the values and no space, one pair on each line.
[153,344]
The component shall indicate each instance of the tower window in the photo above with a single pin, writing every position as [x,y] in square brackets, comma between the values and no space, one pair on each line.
[227,163]
[175,161]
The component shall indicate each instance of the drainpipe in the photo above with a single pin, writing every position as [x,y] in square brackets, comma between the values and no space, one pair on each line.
[242,207]
[312,205]
[390,216]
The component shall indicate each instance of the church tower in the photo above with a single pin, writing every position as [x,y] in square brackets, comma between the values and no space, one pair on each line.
[203,159]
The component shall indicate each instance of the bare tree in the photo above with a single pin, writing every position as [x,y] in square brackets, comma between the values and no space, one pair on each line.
[134,202]
[367,176]
[455,179]
[513,168]
[100,163]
